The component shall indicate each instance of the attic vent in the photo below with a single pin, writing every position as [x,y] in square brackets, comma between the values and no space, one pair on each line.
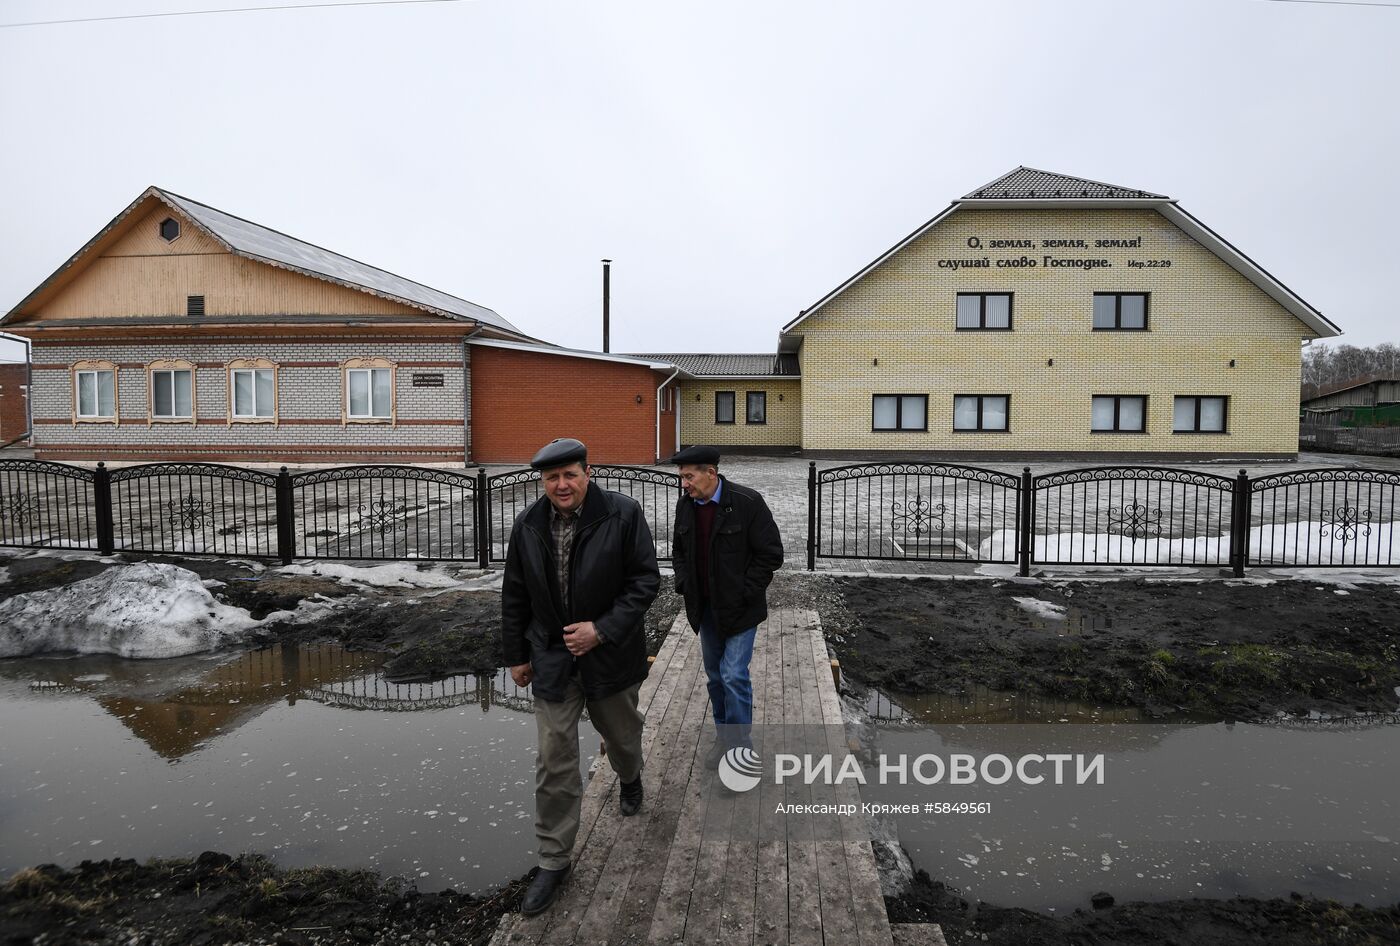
[194,306]
[169,229]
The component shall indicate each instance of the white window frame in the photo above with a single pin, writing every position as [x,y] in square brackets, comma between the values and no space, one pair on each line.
[252,366]
[94,368]
[368,366]
[171,367]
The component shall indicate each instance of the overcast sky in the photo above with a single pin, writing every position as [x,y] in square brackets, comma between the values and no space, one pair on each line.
[736,160]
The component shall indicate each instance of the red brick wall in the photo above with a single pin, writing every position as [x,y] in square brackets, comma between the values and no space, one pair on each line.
[522,400]
[14,420]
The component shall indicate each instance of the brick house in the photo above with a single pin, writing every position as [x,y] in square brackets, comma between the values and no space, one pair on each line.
[180,332]
[14,400]
[1041,315]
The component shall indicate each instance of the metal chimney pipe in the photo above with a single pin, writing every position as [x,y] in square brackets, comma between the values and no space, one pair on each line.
[607,294]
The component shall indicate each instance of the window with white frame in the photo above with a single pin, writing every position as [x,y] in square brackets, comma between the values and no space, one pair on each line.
[369,393]
[981,411]
[1119,413]
[95,391]
[254,392]
[172,393]
[1192,414]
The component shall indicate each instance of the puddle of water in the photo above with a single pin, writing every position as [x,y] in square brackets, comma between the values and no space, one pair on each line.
[306,754]
[1211,810]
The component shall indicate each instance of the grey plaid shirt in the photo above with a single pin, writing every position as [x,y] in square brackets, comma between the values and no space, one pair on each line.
[563,525]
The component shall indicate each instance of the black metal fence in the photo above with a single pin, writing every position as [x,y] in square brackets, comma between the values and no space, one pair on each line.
[376,512]
[1111,515]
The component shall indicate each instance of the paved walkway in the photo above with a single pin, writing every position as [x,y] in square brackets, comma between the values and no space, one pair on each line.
[702,865]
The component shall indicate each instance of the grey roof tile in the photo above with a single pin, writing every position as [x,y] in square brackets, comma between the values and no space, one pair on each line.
[732,365]
[1032,183]
[255,240]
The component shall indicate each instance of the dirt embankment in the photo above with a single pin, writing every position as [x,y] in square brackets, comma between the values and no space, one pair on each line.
[1295,921]
[216,898]
[1212,650]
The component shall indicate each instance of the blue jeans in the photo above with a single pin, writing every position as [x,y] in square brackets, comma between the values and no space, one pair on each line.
[727,671]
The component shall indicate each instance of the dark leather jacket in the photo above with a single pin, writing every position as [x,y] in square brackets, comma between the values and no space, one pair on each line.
[613,580]
[745,550]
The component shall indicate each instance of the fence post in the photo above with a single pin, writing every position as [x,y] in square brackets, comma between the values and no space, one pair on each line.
[1025,535]
[102,497]
[286,532]
[483,520]
[1239,525]
[811,515]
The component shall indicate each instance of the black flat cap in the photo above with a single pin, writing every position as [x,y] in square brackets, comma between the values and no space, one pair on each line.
[560,452]
[696,454]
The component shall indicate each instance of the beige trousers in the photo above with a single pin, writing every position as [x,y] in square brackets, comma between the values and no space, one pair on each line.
[558,784]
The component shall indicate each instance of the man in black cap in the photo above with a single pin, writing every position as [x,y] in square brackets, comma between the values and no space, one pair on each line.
[580,575]
[725,549]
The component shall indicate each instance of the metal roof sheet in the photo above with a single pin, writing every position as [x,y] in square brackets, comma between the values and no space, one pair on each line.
[255,240]
[733,365]
[1033,183]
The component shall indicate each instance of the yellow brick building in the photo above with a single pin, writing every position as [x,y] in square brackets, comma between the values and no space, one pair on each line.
[1040,315]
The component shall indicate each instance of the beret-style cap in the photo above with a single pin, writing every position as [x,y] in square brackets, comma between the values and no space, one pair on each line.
[560,452]
[697,454]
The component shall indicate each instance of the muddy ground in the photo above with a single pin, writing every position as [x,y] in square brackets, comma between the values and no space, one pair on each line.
[216,898]
[1292,921]
[1208,650]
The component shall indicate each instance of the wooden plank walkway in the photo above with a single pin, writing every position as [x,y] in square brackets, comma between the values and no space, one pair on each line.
[701,865]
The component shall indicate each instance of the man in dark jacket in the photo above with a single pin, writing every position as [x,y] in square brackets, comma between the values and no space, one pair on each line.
[725,549]
[580,575]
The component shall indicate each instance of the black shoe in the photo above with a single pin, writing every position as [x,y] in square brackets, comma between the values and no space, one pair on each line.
[543,890]
[631,802]
[716,753]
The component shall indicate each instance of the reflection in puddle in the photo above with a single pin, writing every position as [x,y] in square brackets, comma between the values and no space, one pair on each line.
[1188,809]
[305,753]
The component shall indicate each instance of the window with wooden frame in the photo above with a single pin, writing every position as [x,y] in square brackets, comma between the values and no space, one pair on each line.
[984,311]
[1119,413]
[724,407]
[1199,414]
[252,391]
[907,412]
[369,391]
[170,386]
[981,412]
[1120,311]
[95,392]
[755,407]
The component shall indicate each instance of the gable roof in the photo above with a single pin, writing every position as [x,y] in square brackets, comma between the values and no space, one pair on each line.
[1020,188]
[1025,183]
[265,245]
[732,365]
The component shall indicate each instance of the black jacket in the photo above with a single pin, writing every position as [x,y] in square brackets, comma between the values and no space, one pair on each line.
[745,550]
[613,581]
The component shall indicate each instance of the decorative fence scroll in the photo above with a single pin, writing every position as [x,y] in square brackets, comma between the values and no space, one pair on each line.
[1136,515]
[194,509]
[1324,518]
[932,512]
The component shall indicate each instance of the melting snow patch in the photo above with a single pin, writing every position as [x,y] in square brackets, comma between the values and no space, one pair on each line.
[390,575]
[144,610]
[1045,609]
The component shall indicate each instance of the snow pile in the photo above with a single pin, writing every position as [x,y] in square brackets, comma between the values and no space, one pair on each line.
[142,610]
[389,575]
[1302,543]
[1044,609]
